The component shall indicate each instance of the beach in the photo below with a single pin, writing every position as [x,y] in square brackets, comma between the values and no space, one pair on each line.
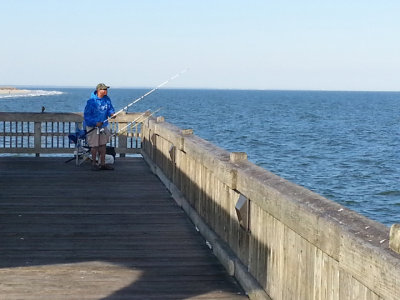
[11,91]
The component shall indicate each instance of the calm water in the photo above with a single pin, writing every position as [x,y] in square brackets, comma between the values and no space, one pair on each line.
[342,145]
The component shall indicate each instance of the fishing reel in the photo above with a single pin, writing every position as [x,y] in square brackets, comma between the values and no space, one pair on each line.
[100,130]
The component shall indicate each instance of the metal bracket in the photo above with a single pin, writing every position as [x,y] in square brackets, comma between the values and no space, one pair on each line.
[242,208]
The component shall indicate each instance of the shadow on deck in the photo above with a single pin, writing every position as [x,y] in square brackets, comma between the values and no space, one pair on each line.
[70,233]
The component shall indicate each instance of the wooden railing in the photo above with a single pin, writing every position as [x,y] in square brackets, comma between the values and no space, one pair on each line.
[47,133]
[280,240]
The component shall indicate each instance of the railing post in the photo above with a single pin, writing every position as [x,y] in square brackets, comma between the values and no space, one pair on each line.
[237,156]
[38,138]
[394,240]
[122,140]
[187,131]
[45,133]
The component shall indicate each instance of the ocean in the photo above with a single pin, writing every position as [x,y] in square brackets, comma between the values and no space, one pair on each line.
[342,145]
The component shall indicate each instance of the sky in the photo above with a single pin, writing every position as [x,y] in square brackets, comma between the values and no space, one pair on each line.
[272,45]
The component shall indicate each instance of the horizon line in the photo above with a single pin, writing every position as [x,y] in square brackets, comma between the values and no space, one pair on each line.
[197,88]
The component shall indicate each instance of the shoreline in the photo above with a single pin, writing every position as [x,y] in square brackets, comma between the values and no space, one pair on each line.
[12,91]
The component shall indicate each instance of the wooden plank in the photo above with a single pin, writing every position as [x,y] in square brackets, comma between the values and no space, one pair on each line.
[69,233]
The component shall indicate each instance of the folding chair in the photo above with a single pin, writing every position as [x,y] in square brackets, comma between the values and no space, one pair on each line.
[82,150]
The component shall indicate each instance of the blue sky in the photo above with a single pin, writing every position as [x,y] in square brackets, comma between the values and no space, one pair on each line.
[307,45]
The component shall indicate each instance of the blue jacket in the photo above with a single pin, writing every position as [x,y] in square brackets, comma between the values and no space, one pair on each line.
[97,110]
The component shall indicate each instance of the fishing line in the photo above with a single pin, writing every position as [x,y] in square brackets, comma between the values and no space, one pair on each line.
[148,93]
[147,115]
[138,99]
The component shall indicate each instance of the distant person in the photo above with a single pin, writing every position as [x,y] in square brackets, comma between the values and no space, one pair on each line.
[98,109]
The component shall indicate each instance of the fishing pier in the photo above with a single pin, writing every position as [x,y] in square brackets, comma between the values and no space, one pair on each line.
[183,219]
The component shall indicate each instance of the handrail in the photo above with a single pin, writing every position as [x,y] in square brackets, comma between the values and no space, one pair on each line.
[294,243]
[47,133]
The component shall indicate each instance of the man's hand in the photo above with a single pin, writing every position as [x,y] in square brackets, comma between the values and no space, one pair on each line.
[112,116]
[99,124]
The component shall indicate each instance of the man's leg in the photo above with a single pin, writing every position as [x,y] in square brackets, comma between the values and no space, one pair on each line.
[94,151]
[102,153]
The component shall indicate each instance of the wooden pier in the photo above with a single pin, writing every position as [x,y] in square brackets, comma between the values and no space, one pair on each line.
[180,222]
[67,232]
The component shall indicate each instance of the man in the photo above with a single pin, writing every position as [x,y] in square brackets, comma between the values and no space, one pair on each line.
[98,109]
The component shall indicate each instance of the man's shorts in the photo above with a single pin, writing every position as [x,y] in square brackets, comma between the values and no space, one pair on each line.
[95,139]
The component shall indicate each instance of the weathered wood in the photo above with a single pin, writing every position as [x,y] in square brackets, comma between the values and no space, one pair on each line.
[43,133]
[300,245]
[160,119]
[187,131]
[238,156]
[394,239]
[40,117]
[58,117]
[69,233]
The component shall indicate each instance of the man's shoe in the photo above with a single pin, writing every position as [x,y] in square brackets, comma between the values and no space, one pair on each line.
[106,167]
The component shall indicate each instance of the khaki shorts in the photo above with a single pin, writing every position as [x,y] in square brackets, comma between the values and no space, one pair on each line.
[94,139]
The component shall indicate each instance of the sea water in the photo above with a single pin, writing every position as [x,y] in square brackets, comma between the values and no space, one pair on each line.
[342,145]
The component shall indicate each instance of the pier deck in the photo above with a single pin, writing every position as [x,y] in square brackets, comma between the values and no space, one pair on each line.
[70,233]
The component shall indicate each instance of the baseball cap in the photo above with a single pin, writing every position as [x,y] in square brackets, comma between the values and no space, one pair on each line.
[101,86]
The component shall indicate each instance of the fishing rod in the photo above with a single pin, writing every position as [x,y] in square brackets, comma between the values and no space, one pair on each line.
[137,120]
[137,100]
[119,131]
[148,93]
